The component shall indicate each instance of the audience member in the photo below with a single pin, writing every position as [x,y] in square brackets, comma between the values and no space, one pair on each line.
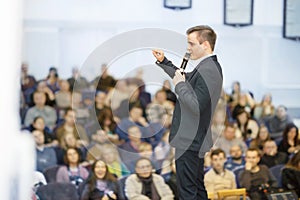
[271,157]
[40,109]
[99,105]
[246,128]
[117,94]
[39,124]
[52,79]
[104,82]
[169,175]
[218,178]
[72,172]
[265,108]
[108,124]
[170,95]
[135,118]
[291,174]
[159,107]
[82,111]
[69,141]
[111,157]
[129,151]
[278,122]
[145,184]
[63,96]
[246,102]
[261,138]
[256,178]
[50,96]
[218,123]
[70,126]
[95,150]
[45,156]
[77,82]
[228,139]
[236,160]
[290,143]
[28,84]
[101,184]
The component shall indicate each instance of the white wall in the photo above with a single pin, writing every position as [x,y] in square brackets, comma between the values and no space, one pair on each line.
[64,33]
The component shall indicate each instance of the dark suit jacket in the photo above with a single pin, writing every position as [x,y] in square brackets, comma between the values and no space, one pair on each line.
[195,105]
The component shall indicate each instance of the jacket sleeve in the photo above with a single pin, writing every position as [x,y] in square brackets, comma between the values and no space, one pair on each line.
[193,98]
[245,179]
[131,191]
[62,175]
[168,67]
[164,190]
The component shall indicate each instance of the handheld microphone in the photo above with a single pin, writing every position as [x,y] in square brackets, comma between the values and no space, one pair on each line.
[184,62]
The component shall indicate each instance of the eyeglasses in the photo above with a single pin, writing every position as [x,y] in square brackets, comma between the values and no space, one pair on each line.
[144,167]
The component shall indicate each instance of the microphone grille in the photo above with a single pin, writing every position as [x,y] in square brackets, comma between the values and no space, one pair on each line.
[187,55]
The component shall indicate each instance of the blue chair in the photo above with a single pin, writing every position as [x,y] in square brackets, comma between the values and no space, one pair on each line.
[122,195]
[277,171]
[237,171]
[55,191]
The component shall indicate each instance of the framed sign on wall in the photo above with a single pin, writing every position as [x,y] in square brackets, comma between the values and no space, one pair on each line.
[291,19]
[178,4]
[238,13]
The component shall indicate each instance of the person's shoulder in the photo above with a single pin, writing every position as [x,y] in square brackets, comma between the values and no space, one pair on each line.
[229,172]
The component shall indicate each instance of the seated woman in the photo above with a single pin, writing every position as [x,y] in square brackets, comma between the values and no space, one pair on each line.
[101,184]
[108,124]
[72,172]
[291,174]
[247,128]
[111,156]
[145,184]
[262,137]
[290,143]
[39,124]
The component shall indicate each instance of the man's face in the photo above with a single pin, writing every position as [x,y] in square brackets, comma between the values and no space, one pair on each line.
[253,158]
[194,47]
[70,117]
[143,168]
[39,137]
[134,134]
[136,113]
[229,133]
[236,152]
[281,113]
[270,148]
[217,161]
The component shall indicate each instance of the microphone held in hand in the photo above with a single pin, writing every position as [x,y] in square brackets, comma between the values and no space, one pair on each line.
[185,61]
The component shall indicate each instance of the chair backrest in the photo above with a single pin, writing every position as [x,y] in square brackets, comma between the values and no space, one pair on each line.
[237,173]
[122,195]
[210,195]
[232,192]
[55,191]
[276,171]
[50,173]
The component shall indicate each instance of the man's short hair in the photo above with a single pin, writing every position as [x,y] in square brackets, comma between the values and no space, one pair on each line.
[217,152]
[205,33]
[254,149]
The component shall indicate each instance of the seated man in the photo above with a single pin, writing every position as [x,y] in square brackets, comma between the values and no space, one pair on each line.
[41,109]
[228,139]
[236,158]
[271,156]
[151,133]
[278,122]
[256,178]
[45,156]
[145,184]
[218,178]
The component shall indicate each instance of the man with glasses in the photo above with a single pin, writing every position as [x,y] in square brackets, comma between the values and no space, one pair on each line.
[198,92]
[146,185]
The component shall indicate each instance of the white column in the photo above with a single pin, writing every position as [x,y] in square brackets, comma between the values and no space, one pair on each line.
[17,150]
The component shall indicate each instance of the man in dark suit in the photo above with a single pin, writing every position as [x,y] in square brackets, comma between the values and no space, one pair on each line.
[198,93]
